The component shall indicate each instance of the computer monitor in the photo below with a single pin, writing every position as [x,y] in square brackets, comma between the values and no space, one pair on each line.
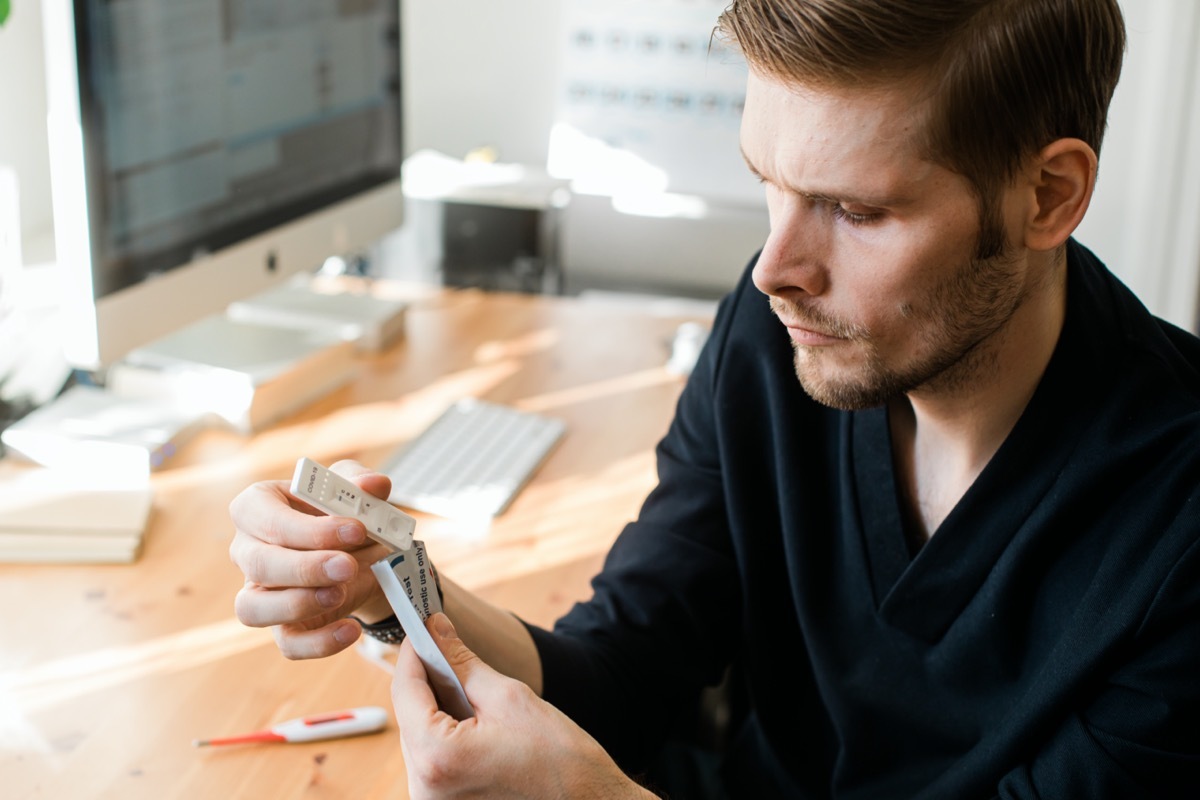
[203,150]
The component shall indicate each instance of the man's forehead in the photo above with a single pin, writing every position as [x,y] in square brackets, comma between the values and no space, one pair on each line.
[869,137]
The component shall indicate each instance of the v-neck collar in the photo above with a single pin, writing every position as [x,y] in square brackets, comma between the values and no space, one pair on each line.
[925,593]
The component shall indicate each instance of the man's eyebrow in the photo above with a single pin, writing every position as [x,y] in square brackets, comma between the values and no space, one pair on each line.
[750,164]
[828,197]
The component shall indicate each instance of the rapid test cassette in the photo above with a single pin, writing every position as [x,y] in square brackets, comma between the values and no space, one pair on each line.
[338,496]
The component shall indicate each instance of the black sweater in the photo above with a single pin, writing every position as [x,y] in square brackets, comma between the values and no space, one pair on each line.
[1044,643]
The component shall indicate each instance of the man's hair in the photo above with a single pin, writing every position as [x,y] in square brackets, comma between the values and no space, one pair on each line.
[1006,77]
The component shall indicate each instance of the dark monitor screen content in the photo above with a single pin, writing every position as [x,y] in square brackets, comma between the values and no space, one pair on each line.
[203,124]
[216,120]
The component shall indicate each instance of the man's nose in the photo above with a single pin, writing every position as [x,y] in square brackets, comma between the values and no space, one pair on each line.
[793,260]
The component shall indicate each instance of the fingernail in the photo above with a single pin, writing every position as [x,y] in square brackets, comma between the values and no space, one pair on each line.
[351,534]
[344,633]
[444,627]
[339,569]
[329,596]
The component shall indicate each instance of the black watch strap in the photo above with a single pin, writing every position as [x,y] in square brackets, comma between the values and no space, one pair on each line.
[387,630]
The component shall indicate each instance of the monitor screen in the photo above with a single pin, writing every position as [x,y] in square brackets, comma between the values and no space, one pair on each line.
[201,150]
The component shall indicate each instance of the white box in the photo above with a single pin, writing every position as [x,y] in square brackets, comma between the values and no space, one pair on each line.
[88,429]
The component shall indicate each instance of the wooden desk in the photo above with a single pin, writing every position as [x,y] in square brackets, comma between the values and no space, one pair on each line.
[107,674]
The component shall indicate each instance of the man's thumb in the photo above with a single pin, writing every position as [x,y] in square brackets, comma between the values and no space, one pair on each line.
[443,628]
[468,669]
[461,657]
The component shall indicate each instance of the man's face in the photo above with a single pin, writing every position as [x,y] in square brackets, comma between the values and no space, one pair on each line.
[871,259]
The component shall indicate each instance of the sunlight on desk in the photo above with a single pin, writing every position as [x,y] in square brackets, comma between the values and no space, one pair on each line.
[656,376]
[527,344]
[55,682]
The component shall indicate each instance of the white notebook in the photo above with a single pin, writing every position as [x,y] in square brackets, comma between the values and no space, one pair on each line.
[49,516]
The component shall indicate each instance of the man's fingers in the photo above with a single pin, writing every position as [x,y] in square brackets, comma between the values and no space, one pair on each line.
[259,607]
[297,642]
[272,567]
[275,517]
[412,694]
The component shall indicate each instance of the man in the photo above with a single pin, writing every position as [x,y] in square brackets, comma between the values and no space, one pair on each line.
[958,557]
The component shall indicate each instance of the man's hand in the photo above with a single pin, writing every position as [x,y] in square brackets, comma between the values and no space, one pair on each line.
[516,746]
[305,571]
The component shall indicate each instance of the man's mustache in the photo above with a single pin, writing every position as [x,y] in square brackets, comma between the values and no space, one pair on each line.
[809,317]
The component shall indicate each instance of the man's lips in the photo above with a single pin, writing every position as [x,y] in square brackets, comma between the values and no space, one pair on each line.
[803,333]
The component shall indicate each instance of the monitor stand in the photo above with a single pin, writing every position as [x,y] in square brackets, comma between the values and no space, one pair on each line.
[345,306]
[248,374]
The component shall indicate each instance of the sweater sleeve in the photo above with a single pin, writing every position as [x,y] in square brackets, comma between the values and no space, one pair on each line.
[1138,736]
[626,662]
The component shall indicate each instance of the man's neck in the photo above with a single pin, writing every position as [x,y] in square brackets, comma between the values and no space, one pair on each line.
[944,435]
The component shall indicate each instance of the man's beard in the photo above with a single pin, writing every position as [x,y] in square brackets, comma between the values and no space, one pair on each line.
[963,311]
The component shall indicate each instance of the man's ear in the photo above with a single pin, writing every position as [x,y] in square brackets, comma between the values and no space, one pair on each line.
[1063,177]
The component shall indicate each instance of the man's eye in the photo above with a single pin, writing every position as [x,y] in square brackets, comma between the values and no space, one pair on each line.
[840,213]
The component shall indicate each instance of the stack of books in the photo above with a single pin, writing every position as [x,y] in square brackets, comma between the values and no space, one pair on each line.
[48,516]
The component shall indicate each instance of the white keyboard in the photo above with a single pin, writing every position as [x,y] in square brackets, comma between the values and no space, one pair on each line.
[472,460]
